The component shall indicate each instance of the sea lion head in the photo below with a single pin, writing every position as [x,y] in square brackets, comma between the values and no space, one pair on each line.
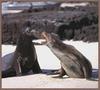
[32,33]
[50,37]
[24,41]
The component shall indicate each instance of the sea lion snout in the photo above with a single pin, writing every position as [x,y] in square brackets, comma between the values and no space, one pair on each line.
[47,37]
[32,33]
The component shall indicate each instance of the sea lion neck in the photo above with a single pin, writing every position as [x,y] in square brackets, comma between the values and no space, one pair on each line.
[24,43]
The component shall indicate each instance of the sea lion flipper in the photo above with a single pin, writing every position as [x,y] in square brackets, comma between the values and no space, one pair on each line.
[36,67]
[8,73]
[57,76]
[57,72]
[61,73]
[18,68]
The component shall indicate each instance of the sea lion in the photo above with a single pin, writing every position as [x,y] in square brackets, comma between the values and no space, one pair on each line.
[25,57]
[73,63]
[6,61]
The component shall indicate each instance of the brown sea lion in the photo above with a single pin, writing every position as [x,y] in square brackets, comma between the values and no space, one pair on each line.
[24,58]
[73,63]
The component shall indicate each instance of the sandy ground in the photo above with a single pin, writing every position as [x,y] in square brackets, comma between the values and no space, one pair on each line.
[46,81]
[49,62]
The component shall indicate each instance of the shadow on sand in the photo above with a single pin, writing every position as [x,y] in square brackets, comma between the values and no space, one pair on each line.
[51,72]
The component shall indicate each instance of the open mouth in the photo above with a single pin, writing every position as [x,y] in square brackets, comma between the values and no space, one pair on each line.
[45,35]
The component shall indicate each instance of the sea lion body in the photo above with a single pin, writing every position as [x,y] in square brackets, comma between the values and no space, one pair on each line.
[25,57]
[73,63]
[7,70]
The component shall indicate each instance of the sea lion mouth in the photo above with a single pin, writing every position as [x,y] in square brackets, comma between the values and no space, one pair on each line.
[43,42]
[46,36]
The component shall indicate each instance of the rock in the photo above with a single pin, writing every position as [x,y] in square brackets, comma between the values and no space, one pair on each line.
[76,24]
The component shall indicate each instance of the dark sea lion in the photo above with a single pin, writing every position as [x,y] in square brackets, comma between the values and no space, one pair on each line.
[25,57]
[73,63]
